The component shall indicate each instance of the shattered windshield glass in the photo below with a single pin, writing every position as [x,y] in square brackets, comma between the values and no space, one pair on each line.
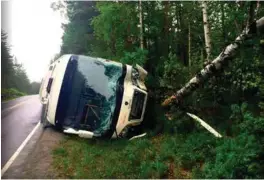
[92,99]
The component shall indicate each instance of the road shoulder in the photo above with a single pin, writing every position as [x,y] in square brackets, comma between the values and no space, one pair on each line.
[35,160]
[9,103]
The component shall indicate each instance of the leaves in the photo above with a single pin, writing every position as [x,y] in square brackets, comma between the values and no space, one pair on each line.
[13,74]
[232,100]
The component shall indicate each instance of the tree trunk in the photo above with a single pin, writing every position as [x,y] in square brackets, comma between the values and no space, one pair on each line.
[182,38]
[166,29]
[251,12]
[189,44]
[208,46]
[223,21]
[113,41]
[141,25]
[255,29]
[128,38]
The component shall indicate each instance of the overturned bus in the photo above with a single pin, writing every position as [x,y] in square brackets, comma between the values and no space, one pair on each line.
[93,97]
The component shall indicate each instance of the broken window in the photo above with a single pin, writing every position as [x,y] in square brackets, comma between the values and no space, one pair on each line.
[92,95]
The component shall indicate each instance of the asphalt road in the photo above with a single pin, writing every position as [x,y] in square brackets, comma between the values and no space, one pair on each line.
[19,117]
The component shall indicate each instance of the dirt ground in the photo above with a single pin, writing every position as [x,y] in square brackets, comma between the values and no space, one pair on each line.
[35,160]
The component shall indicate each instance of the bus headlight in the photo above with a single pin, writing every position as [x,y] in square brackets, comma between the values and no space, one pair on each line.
[135,76]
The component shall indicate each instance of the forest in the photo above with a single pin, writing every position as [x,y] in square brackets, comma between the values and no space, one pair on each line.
[173,41]
[14,80]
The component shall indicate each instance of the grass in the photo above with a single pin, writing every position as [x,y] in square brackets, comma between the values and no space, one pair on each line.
[171,154]
[9,94]
[162,156]
[183,150]
[178,156]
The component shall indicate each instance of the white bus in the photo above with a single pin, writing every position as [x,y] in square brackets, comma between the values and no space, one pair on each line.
[93,97]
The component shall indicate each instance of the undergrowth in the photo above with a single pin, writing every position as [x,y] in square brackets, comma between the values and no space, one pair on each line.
[8,94]
[170,154]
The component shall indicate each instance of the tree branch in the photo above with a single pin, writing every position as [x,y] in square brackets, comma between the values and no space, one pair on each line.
[255,29]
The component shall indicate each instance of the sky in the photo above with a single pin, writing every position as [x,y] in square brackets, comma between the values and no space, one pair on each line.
[34,31]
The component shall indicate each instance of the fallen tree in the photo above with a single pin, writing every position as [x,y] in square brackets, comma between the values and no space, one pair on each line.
[255,29]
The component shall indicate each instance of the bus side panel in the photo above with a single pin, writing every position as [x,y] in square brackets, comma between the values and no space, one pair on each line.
[57,75]
[44,83]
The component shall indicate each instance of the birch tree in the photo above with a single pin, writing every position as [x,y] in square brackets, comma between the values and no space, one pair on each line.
[207,38]
[255,29]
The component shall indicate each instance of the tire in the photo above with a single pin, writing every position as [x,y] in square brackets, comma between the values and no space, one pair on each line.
[43,119]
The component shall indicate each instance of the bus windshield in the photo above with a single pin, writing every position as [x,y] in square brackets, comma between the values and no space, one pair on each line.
[92,93]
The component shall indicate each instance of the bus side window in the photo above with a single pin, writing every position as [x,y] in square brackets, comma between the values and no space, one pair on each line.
[49,85]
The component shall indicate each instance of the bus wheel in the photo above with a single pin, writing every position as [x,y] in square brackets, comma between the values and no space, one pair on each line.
[43,119]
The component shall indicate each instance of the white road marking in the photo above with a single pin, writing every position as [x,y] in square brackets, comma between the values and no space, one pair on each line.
[19,104]
[13,157]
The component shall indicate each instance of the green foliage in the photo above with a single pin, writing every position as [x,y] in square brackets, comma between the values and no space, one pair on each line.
[133,58]
[239,156]
[197,154]
[235,158]
[252,125]
[7,94]
[231,101]
[6,61]
[13,73]
[78,33]
[116,29]
[20,80]
[175,73]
